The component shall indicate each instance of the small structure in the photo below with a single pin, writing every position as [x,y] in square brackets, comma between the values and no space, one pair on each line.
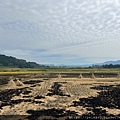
[118,75]
[11,78]
[102,76]
[59,76]
[11,83]
[80,76]
[93,76]
[19,83]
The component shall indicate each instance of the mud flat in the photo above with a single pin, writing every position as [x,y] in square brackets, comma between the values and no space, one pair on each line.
[62,99]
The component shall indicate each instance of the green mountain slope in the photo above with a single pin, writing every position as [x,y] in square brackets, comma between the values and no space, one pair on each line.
[10,61]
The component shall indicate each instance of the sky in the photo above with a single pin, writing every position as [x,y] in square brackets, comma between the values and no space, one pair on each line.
[69,32]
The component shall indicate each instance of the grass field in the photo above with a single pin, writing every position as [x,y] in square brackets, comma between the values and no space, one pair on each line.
[10,71]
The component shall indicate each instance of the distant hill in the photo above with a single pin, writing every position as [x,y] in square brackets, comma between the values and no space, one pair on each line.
[107,64]
[112,62]
[10,61]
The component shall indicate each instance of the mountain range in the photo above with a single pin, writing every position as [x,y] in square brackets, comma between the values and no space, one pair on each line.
[10,61]
[112,62]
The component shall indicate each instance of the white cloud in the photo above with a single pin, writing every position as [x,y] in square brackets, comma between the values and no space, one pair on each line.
[68,27]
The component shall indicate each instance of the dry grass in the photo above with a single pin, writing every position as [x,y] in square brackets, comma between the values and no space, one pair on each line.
[20,73]
[75,87]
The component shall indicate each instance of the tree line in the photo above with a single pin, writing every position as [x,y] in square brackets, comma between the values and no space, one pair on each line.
[106,66]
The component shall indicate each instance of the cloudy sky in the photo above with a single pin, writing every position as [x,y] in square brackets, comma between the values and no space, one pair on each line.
[67,32]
